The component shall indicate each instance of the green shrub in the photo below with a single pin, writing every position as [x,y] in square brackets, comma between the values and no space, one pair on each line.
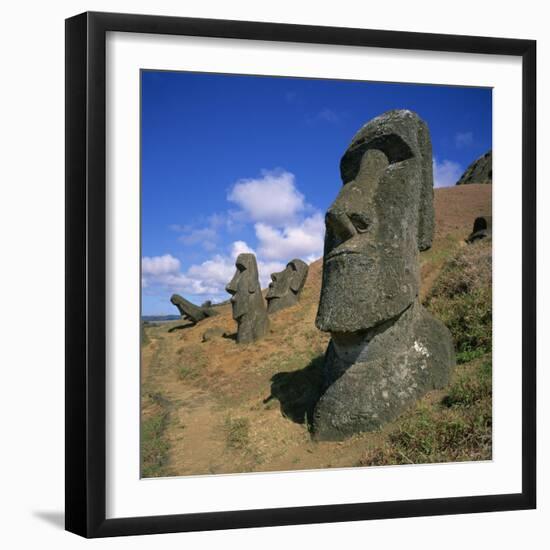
[462,299]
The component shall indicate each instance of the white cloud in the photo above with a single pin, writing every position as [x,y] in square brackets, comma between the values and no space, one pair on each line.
[208,278]
[205,280]
[273,198]
[159,265]
[207,237]
[285,227]
[211,276]
[446,173]
[464,139]
[303,240]
[240,247]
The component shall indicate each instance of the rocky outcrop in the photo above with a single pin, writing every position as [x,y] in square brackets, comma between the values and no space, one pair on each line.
[386,350]
[480,171]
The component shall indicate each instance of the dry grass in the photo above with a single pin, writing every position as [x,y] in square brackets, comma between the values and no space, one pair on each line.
[154,447]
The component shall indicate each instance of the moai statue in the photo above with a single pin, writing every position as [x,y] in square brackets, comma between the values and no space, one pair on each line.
[483,228]
[190,311]
[247,301]
[286,286]
[386,350]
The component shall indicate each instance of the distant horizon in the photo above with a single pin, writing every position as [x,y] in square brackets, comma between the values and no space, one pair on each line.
[218,149]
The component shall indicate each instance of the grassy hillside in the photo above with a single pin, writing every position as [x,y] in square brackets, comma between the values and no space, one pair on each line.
[218,407]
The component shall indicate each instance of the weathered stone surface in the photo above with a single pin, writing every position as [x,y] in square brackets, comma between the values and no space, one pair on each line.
[380,219]
[386,349]
[247,302]
[480,171]
[483,228]
[190,311]
[212,333]
[373,377]
[286,286]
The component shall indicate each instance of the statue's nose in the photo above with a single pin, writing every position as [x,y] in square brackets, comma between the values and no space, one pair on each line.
[340,225]
[230,288]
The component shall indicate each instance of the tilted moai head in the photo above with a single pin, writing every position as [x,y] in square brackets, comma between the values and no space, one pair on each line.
[379,221]
[187,309]
[247,301]
[483,228]
[286,286]
[386,349]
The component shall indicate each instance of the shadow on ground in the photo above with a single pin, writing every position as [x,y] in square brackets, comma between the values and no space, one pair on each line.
[298,391]
[181,327]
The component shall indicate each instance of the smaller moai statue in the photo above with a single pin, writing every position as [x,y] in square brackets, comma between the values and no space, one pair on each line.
[190,311]
[286,286]
[247,301]
[483,228]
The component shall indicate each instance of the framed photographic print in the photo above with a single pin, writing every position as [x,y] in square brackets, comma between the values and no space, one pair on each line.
[300,274]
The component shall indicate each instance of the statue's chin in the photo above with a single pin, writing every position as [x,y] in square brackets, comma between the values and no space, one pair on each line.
[237,315]
[358,317]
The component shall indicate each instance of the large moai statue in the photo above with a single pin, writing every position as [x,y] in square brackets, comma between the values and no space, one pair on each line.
[190,311]
[386,350]
[247,301]
[286,286]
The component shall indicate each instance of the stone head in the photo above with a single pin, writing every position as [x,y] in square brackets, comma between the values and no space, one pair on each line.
[286,286]
[187,309]
[483,227]
[483,223]
[382,216]
[245,286]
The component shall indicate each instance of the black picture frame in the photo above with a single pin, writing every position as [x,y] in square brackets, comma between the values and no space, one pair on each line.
[86,268]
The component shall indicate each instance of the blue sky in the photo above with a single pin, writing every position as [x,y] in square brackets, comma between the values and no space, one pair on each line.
[234,163]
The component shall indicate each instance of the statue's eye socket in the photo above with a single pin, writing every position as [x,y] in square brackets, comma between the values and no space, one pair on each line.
[241,267]
[360,222]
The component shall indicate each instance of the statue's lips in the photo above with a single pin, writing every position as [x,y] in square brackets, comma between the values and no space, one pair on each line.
[337,253]
[272,292]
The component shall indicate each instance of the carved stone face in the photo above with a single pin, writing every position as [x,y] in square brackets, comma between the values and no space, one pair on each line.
[247,301]
[286,286]
[374,228]
[244,287]
[187,309]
